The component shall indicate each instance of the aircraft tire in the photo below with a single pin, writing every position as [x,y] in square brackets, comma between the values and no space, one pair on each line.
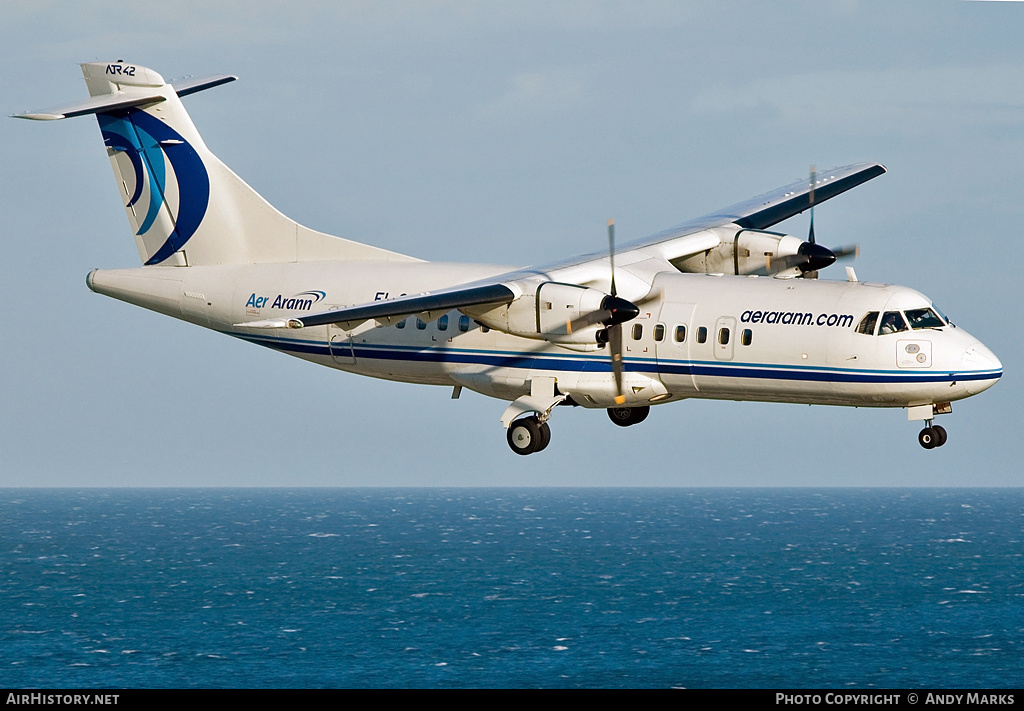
[545,437]
[524,436]
[640,414]
[628,416]
[928,438]
[940,434]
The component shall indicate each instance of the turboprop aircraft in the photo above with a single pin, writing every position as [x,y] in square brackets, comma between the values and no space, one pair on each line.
[719,307]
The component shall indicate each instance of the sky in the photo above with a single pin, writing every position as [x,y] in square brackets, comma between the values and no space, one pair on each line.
[505,133]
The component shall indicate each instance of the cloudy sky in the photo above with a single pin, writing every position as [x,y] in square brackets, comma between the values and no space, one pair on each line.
[504,133]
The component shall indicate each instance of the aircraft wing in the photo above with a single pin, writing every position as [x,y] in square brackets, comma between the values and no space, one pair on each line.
[773,207]
[678,242]
[780,204]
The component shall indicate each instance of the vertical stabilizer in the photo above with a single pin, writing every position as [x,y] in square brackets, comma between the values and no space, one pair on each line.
[184,205]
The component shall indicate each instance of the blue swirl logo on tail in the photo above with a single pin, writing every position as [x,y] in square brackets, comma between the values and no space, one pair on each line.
[149,144]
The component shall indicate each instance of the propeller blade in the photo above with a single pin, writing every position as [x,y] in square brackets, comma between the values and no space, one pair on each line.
[814,179]
[611,251]
[847,251]
[615,347]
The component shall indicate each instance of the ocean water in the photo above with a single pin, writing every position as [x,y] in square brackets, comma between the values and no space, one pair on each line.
[831,588]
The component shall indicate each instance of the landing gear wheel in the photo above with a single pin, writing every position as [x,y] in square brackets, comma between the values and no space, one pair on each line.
[940,433]
[528,435]
[928,438]
[626,416]
[545,437]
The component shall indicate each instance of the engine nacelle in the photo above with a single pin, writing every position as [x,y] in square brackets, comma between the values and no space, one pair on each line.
[566,314]
[743,251]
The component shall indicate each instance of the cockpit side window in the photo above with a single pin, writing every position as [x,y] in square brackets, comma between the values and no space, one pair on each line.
[923,318]
[892,322]
[943,316]
[867,324]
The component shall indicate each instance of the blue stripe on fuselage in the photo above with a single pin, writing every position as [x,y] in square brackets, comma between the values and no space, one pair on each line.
[601,364]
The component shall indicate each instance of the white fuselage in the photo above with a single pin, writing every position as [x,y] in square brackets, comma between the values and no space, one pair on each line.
[698,335]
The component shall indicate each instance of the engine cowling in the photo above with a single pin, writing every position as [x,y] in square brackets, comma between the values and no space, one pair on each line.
[566,314]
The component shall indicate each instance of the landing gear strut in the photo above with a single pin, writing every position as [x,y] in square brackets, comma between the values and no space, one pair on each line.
[626,416]
[528,435]
[932,435]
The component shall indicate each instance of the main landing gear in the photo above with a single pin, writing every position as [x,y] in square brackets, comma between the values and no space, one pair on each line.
[532,434]
[528,435]
[932,435]
[626,416]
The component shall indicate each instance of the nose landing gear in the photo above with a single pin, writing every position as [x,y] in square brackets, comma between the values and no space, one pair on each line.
[931,436]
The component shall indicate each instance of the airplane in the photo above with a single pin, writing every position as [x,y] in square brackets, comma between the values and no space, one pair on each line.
[719,307]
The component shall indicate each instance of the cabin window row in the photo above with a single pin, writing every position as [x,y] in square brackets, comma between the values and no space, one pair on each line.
[679,334]
[442,323]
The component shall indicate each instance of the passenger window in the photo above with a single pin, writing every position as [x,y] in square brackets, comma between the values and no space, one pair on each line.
[867,324]
[723,336]
[638,331]
[702,335]
[420,323]
[659,332]
[924,318]
[442,323]
[401,324]
[463,323]
[746,337]
[892,322]
[680,334]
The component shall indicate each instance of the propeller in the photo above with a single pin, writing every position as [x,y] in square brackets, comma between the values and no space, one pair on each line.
[618,312]
[811,256]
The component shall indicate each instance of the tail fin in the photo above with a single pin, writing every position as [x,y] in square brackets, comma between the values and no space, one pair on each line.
[184,205]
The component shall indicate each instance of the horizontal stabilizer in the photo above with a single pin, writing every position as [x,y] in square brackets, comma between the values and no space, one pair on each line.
[95,105]
[191,85]
[106,103]
[402,306]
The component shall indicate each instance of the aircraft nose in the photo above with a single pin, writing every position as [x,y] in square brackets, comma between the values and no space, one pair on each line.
[980,360]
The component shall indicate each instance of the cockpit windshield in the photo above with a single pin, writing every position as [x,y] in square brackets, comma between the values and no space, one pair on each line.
[924,318]
[892,322]
[897,321]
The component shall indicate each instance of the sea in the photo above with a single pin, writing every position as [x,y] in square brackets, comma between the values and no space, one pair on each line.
[597,588]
